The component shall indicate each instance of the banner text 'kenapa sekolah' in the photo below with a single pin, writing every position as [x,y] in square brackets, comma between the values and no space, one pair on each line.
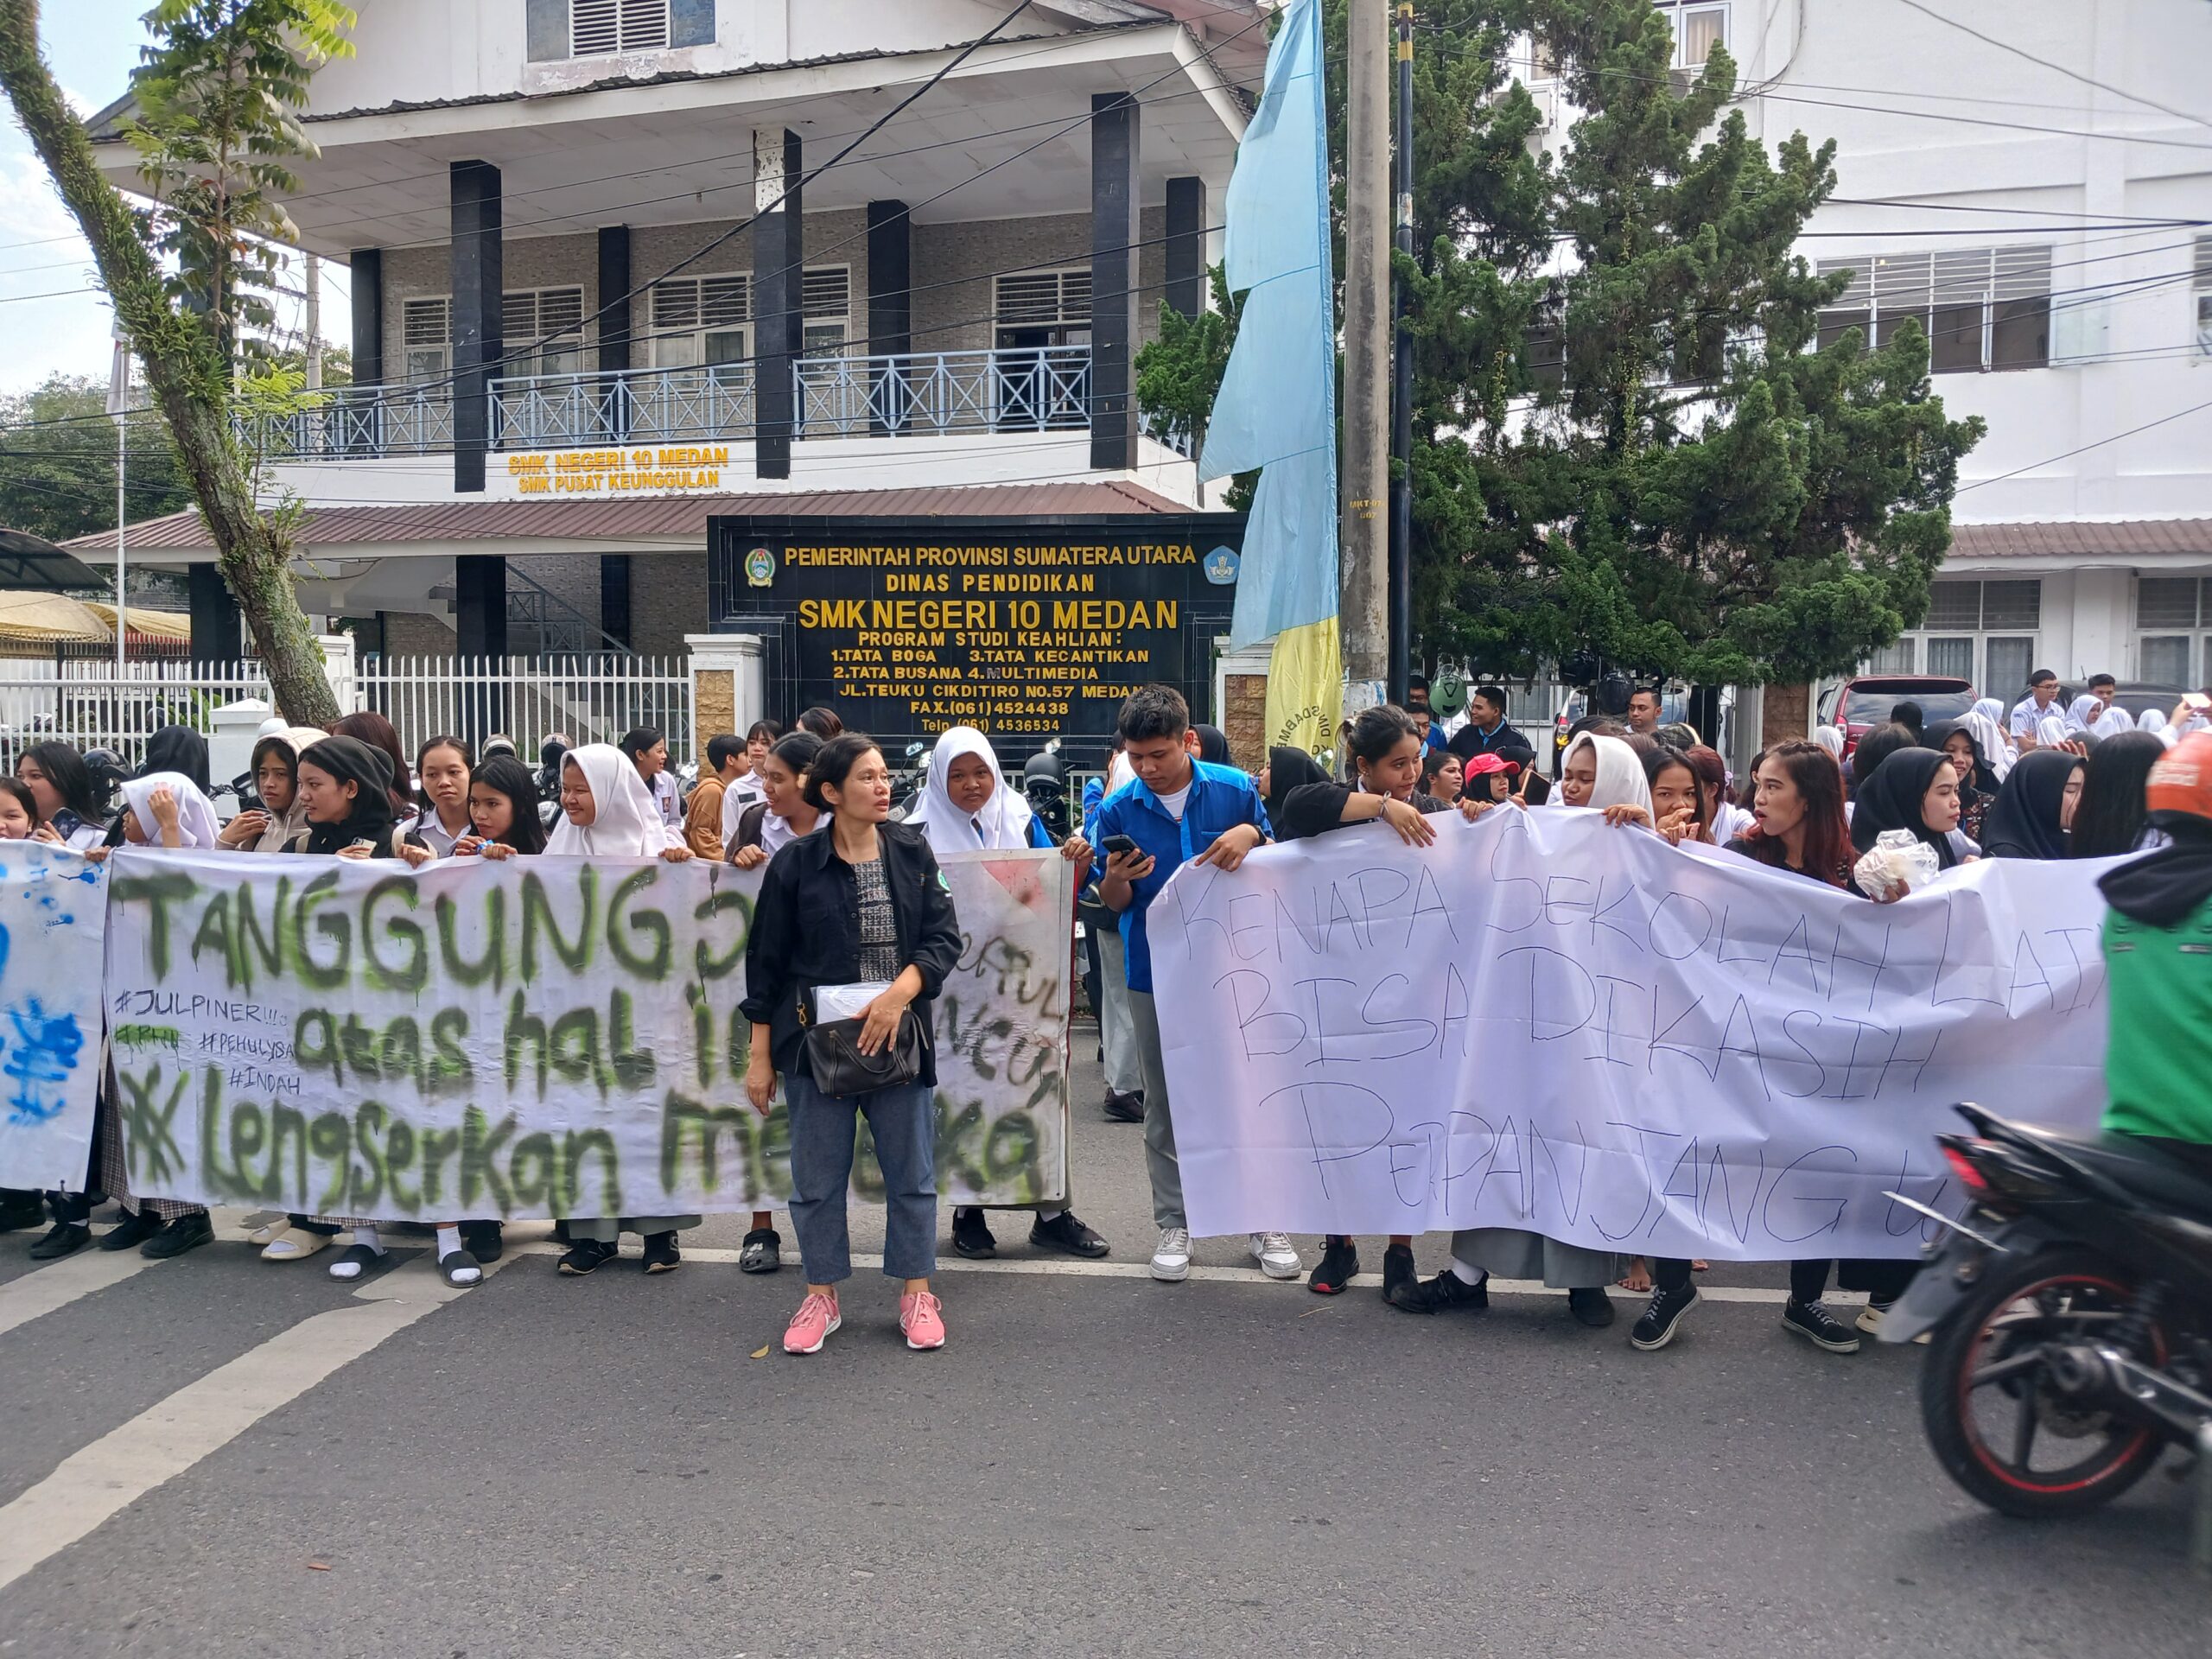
[1549,1023]
[537,1037]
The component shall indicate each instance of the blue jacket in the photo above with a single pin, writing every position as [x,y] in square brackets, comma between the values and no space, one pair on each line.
[1221,799]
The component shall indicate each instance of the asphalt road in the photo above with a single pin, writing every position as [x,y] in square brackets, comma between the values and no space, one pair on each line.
[216,1456]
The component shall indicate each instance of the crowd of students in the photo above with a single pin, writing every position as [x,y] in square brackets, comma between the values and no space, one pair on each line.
[855,925]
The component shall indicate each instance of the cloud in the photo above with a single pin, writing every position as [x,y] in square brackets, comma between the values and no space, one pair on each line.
[44,254]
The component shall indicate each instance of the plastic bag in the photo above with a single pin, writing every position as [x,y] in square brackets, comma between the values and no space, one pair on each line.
[1896,864]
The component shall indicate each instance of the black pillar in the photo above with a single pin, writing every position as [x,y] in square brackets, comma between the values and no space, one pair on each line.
[614,595]
[478,346]
[217,636]
[480,609]
[366,265]
[890,313]
[778,325]
[1112,280]
[1186,245]
[614,357]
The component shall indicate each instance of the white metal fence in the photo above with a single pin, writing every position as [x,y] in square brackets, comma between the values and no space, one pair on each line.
[589,698]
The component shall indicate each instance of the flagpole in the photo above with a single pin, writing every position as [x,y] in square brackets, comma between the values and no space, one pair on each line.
[118,405]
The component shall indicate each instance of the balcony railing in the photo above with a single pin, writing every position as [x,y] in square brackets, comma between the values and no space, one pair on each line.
[360,423]
[1040,388]
[560,411]
[1044,388]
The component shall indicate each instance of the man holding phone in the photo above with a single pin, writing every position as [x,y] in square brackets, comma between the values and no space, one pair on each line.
[1179,810]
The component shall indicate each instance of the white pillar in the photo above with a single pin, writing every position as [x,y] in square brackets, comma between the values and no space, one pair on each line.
[730,686]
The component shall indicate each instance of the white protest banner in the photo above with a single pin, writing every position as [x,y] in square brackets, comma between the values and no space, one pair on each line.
[1545,1022]
[53,907]
[528,1038]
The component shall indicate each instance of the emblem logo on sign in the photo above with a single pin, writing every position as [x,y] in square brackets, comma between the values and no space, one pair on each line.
[1221,567]
[761,567]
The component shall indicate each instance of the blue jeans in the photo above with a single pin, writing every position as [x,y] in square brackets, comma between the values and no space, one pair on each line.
[904,1122]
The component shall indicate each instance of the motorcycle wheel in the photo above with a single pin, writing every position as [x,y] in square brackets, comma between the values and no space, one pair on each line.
[1994,1419]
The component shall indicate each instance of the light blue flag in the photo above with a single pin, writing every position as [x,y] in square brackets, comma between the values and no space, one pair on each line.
[1276,408]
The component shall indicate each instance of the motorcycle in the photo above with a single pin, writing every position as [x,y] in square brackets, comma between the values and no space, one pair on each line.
[2071,1307]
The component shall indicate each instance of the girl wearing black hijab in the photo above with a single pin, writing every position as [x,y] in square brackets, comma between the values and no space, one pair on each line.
[177,748]
[1915,790]
[1213,745]
[2111,818]
[345,787]
[1287,769]
[2034,807]
[1977,781]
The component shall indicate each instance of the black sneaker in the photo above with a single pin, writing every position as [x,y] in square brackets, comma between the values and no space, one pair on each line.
[1065,1232]
[1125,1109]
[130,1231]
[1339,1262]
[1399,1278]
[484,1240]
[175,1237]
[64,1238]
[971,1234]
[1590,1306]
[1444,1294]
[20,1210]
[585,1255]
[763,1252]
[661,1254]
[1813,1321]
[1662,1317]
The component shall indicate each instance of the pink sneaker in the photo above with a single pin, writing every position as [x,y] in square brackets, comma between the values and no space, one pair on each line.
[921,1316]
[811,1326]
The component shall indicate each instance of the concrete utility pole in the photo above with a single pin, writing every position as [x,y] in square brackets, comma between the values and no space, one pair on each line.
[1401,388]
[1366,472]
[315,324]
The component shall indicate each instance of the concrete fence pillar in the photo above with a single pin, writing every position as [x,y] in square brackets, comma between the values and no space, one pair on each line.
[730,687]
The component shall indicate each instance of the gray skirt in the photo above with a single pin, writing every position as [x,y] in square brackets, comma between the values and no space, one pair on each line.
[1512,1253]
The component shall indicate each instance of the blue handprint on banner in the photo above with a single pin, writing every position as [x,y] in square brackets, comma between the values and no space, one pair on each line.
[44,1053]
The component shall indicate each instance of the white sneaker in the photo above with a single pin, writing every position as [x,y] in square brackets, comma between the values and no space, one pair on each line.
[1276,1254]
[1171,1258]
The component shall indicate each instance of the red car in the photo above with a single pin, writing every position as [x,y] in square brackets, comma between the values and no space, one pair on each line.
[1860,704]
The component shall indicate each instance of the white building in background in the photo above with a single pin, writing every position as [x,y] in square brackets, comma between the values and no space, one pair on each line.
[2041,200]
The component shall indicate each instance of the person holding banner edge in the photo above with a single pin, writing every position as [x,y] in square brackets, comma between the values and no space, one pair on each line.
[859,910]
[966,807]
[1175,803]
[1386,751]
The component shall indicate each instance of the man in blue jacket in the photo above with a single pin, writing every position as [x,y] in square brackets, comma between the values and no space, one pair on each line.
[1179,809]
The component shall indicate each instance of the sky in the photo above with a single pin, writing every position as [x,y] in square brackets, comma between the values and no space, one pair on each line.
[92,47]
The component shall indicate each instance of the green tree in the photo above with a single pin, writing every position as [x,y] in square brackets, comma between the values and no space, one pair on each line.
[1625,439]
[216,127]
[57,462]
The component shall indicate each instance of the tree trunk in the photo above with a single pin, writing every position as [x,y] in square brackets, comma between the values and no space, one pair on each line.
[186,372]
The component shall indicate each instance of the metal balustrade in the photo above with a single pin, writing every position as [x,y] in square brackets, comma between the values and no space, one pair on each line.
[1041,389]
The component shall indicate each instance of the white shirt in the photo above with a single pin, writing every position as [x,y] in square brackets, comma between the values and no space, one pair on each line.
[2026,713]
[668,796]
[1730,821]
[736,798]
[1175,803]
[435,835]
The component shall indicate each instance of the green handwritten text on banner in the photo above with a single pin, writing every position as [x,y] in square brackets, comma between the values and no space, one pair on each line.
[540,1037]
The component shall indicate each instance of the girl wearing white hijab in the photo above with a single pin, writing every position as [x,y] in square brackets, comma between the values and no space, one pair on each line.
[1831,738]
[607,811]
[965,807]
[2115,720]
[167,809]
[1601,772]
[2051,732]
[1986,719]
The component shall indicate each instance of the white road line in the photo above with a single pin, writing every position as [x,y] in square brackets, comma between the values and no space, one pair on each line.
[44,1290]
[164,1440]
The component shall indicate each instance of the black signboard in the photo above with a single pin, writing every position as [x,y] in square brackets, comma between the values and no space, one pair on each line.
[1025,629]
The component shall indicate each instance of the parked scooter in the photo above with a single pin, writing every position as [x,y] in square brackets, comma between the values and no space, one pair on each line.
[2072,1308]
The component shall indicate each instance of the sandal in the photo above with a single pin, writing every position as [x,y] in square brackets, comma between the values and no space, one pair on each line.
[358,1260]
[762,1253]
[461,1269]
[268,1232]
[295,1244]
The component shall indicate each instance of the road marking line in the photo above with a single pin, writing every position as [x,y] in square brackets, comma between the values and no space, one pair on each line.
[44,1289]
[166,1439]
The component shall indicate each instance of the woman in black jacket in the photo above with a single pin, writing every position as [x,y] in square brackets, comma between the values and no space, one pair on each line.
[861,907]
